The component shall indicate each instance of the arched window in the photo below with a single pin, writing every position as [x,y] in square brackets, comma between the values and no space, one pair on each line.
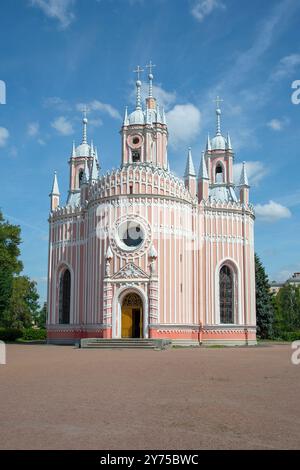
[64,297]
[80,176]
[219,173]
[226,295]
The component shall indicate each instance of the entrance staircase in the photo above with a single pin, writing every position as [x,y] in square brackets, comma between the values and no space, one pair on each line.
[125,343]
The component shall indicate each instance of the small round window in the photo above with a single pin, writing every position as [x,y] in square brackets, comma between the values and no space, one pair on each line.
[131,235]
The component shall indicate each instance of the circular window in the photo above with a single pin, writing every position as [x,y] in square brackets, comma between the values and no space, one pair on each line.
[135,141]
[130,235]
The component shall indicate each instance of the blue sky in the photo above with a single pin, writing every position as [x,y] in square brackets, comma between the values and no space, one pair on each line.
[58,54]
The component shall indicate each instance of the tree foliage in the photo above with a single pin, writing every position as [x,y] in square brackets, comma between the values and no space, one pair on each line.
[287,311]
[264,302]
[18,294]
[10,265]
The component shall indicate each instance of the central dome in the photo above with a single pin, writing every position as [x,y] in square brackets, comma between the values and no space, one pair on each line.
[83,150]
[137,117]
[218,143]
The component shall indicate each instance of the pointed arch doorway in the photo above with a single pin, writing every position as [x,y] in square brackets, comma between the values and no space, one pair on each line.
[132,316]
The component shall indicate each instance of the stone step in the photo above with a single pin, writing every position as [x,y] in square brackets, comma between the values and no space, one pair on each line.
[124,343]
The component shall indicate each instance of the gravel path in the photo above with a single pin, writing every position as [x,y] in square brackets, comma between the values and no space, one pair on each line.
[58,397]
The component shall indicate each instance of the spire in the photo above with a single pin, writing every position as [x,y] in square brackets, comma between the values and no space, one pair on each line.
[164,119]
[203,174]
[86,173]
[138,84]
[208,144]
[244,177]
[150,66]
[92,148]
[55,189]
[84,122]
[189,169]
[94,172]
[158,115]
[218,101]
[152,252]
[73,150]
[125,121]
[229,146]
[109,254]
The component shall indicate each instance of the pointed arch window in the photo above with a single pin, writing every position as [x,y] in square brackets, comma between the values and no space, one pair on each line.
[80,177]
[219,177]
[64,297]
[226,295]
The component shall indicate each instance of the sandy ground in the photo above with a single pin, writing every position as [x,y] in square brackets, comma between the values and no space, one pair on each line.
[58,397]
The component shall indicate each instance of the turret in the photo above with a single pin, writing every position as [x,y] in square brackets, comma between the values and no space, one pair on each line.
[144,131]
[190,174]
[55,194]
[203,180]
[244,186]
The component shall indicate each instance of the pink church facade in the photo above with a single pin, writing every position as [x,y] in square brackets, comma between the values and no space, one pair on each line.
[139,252]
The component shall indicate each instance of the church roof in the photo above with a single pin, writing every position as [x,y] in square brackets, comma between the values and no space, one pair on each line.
[223,193]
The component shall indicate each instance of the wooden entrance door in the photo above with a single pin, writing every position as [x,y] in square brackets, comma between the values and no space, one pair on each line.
[132,316]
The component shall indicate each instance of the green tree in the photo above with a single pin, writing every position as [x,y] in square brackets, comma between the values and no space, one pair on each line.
[10,265]
[23,305]
[41,316]
[264,301]
[287,303]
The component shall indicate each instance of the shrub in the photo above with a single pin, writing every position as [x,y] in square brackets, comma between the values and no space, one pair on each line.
[289,335]
[10,334]
[33,334]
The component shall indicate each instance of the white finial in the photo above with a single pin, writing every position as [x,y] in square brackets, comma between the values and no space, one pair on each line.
[84,122]
[138,87]
[55,189]
[109,254]
[203,174]
[208,144]
[94,173]
[150,66]
[218,101]
[125,121]
[152,252]
[229,145]
[244,178]
[164,119]
[73,149]
[189,169]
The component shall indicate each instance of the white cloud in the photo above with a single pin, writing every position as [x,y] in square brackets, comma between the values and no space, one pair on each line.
[164,98]
[57,103]
[63,126]
[278,124]
[203,8]
[272,212]
[275,125]
[61,10]
[96,105]
[255,172]
[287,66]
[95,122]
[184,122]
[33,129]
[41,142]
[4,135]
